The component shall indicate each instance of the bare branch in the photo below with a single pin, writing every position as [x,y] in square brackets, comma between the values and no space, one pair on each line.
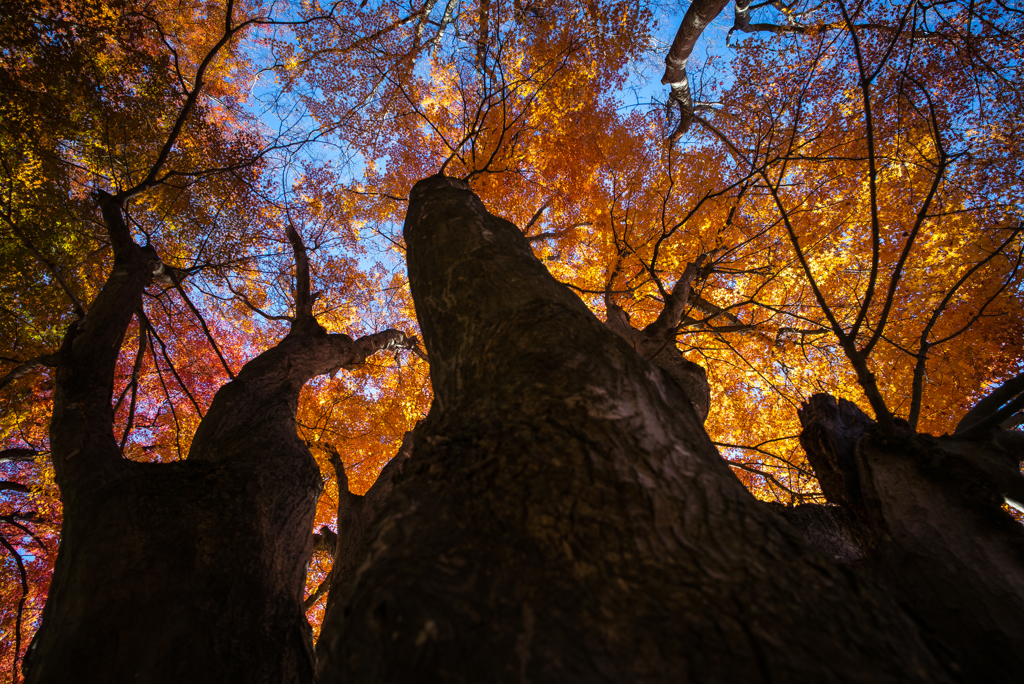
[303,296]
[202,323]
[21,605]
[18,455]
[134,384]
[536,216]
[22,369]
[256,309]
[76,303]
[170,365]
[1001,404]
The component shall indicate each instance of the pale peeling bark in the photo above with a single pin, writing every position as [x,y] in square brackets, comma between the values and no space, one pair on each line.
[564,517]
[697,17]
[923,515]
[189,571]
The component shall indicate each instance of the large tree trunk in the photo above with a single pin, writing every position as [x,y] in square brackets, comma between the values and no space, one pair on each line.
[921,515]
[189,571]
[564,517]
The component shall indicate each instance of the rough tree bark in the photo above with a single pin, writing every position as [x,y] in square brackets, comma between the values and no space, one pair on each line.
[564,517]
[190,571]
[921,515]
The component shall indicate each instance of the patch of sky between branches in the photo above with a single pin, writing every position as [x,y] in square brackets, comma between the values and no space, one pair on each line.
[708,68]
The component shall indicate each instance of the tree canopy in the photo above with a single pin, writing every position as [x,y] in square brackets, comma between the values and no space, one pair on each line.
[823,197]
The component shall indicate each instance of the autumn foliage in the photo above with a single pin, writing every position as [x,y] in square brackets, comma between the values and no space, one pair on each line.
[848,191]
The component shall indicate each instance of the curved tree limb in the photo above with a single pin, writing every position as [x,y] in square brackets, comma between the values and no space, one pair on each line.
[21,605]
[998,407]
[27,367]
[697,17]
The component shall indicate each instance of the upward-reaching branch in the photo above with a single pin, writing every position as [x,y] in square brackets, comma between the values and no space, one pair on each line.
[675,305]
[657,341]
[152,177]
[303,320]
[76,303]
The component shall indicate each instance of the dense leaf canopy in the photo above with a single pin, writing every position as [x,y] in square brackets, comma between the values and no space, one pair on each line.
[844,179]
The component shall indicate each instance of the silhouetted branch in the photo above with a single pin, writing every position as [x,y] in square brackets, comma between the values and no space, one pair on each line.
[1001,404]
[76,303]
[27,367]
[206,329]
[18,455]
[303,296]
[134,384]
[21,605]
[170,365]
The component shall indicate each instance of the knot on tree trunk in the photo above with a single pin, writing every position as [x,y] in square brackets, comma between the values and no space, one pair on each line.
[434,183]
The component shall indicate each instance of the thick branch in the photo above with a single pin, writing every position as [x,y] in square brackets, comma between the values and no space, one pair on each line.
[999,406]
[81,430]
[18,455]
[672,313]
[697,17]
[265,392]
[23,369]
[303,296]
[657,342]
[831,431]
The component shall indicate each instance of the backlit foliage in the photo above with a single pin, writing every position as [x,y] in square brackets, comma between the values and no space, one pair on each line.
[849,186]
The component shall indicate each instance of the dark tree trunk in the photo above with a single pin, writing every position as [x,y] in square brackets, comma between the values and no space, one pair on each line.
[921,516]
[564,517]
[189,571]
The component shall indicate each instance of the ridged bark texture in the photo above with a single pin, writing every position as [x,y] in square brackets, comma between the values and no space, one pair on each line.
[564,517]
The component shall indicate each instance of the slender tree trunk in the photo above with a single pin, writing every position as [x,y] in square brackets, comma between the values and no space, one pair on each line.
[564,517]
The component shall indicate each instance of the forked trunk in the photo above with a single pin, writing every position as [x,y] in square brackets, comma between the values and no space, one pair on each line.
[190,571]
